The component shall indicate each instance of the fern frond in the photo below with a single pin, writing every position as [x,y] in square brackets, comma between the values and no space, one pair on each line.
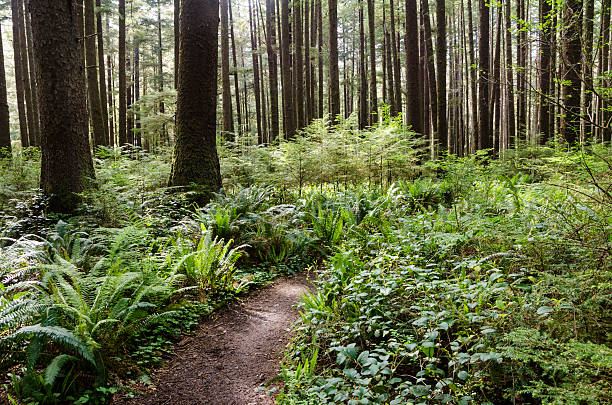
[54,368]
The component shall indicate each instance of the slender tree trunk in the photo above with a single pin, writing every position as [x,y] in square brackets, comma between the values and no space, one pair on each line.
[272,69]
[307,78]
[33,109]
[226,93]
[299,63]
[252,26]
[589,15]
[137,133]
[363,78]
[195,159]
[441,70]
[334,73]
[320,58]
[545,71]
[431,69]
[177,12]
[396,102]
[19,75]
[606,132]
[97,120]
[122,83]
[234,59]
[389,64]
[372,37]
[129,94]
[66,165]
[288,107]
[26,77]
[521,80]
[495,101]
[572,69]
[485,138]
[111,105]
[5,130]
[414,113]
[101,74]
[160,64]
[311,66]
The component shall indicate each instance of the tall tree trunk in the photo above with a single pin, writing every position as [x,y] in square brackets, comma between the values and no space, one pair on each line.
[256,91]
[234,59]
[272,69]
[160,64]
[431,69]
[66,162]
[26,77]
[33,109]
[372,37]
[545,71]
[97,121]
[111,105]
[495,100]
[363,78]
[226,92]
[589,15]
[136,107]
[299,63]
[311,67]
[473,79]
[334,73]
[320,57]
[289,125]
[101,74]
[19,74]
[441,70]
[307,78]
[485,138]
[5,130]
[121,73]
[389,65]
[396,102]
[177,12]
[521,79]
[604,40]
[414,100]
[195,159]
[129,100]
[572,69]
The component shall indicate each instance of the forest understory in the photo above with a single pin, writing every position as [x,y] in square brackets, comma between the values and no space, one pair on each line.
[462,280]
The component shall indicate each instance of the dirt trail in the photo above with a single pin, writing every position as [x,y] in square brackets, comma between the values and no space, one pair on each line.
[232,354]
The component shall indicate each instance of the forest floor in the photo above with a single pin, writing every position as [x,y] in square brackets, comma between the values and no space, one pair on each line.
[232,355]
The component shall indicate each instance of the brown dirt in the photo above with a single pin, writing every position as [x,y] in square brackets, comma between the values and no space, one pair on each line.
[232,354]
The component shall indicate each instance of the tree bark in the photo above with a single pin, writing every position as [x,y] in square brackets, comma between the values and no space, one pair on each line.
[195,159]
[572,69]
[226,93]
[431,69]
[97,121]
[34,108]
[372,37]
[441,70]
[289,125]
[5,130]
[102,75]
[121,73]
[272,69]
[396,102]
[545,71]
[234,59]
[334,73]
[307,77]
[485,138]
[414,113]
[66,163]
[19,74]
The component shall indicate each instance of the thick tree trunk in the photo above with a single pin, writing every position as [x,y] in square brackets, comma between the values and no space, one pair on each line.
[334,73]
[5,130]
[97,121]
[485,138]
[226,92]
[195,159]
[121,73]
[102,75]
[414,113]
[66,158]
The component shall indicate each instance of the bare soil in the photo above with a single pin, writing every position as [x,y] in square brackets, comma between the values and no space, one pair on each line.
[233,354]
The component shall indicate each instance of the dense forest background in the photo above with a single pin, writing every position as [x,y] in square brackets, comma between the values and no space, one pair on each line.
[466,75]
